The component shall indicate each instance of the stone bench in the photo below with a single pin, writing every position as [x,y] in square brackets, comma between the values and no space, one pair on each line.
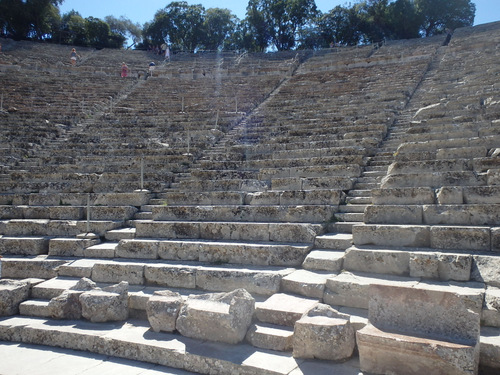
[310,171]
[53,228]
[434,179]
[115,213]
[476,238]
[264,280]
[276,232]
[271,213]
[235,252]
[425,328]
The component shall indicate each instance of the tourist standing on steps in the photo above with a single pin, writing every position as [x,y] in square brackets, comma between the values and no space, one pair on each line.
[152,66]
[124,70]
[73,55]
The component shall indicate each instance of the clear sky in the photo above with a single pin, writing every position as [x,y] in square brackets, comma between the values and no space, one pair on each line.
[144,11]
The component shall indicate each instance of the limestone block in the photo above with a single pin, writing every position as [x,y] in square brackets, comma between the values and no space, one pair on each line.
[106,304]
[390,353]
[328,196]
[323,334]
[461,152]
[234,231]
[470,214]
[270,336]
[438,310]
[495,239]
[12,293]
[163,309]
[98,227]
[63,213]
[442,266]
[491,307]
[11,212]
[115,213]
[391,235]
[306,283]
[389,214]
[24,245]
[253,185]
[481,194]
[114,272]
[67,305]
[433,179]
[21,268]
[171,275]
[262,198]
[179,250]
[140,249]
[166,229]
[284,309]
[72,247]
[460,238]
[222,317]
[324,260]
[450,195]
[136,198]
[393,262]
[486,269]
[254,280]
[397,196]
[353,290]
[493,176]
[490,351]
[294,232]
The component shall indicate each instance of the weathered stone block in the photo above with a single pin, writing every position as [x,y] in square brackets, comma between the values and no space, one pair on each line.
[140,249]
[391,235]
[389,214]
[390,353]
[107,304]
[223,317]
[450,195]
[12,293]
[393,262]
[67,305]
[323,335]
[442,266]
[174,276]
[397,196]
[437,310]
[163,309]
[114,272]
[486,269]
[460,238]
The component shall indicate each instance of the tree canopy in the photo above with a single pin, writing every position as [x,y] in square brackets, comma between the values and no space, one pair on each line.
[269,24]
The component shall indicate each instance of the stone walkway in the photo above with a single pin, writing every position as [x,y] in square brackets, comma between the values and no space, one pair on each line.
[24,359]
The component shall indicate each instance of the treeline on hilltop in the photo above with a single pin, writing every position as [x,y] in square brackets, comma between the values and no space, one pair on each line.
[269,24]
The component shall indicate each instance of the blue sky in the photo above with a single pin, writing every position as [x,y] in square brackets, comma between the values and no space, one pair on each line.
[144,11]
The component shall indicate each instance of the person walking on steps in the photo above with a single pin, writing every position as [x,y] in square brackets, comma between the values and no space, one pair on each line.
[125,70]
[73,56]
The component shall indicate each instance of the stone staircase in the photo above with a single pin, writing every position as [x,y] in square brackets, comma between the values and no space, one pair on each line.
[319,215]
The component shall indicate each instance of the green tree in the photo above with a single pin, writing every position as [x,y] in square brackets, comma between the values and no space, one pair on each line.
[29,18]
[179,24]
[279,21]
[437,15]
[124,28]
[218,26]
[341,25]
[403,19]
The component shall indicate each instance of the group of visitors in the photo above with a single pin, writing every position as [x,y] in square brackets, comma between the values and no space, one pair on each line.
[124,72]
[163,50]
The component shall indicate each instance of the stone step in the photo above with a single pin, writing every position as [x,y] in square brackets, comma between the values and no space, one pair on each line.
[234,252]
[35,307]
[17,267]
[306,283]
[352,208]
[344,226]
[165,349]
[120,234]
[352,289]
[447,237]
[238,231]
[359,200]
[324,260]
[270,336]
[102,250]
[263,280]
[24,245]
[415,262]
[336,241]
[270,213]
[283,309]
[360,193]
[350,216]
